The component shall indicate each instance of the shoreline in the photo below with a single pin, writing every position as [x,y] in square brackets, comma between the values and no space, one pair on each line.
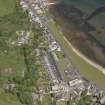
[88,71]
[89,61]
[83,56]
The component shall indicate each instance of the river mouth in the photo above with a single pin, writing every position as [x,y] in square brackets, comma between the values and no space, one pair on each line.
[83,35]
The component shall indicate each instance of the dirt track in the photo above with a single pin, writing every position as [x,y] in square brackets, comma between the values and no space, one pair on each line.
[94,64]
[83,41]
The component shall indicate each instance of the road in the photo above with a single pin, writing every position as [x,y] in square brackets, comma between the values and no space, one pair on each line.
[54,72]
[73,71]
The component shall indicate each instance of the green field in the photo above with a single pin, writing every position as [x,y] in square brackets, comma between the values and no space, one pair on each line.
[12,19]
[8,99]
[11,62]
[61,103]
[47,100]
[11,57]
[6,7]
[86,69]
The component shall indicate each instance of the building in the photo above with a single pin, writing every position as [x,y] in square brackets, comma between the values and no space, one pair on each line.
[77,83]
[61,91]
[24,5]
[102,101]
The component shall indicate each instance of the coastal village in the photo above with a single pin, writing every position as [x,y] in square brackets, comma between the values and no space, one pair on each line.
[66,84]
[58,76]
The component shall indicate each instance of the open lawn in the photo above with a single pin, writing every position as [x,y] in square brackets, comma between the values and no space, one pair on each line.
[7,99]
[6,7]
[86,69]
[11,56]
[12,19]
[61,103]
[47,100]
[12,61]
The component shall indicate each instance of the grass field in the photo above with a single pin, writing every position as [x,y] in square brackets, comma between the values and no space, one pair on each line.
[6,7]
[12,59]
[47,100]
[11,56]
[12,64]
[86,69]
[61,103]
[8,99]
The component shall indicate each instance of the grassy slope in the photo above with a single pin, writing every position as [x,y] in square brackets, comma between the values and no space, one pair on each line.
[6,7]
[10,56]
[62,103]
[85,69]
[8,99]
[12,59]
[46,100]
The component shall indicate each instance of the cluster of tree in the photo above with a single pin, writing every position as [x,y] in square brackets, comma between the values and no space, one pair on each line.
[84,100]
[9,24]
[26,84]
